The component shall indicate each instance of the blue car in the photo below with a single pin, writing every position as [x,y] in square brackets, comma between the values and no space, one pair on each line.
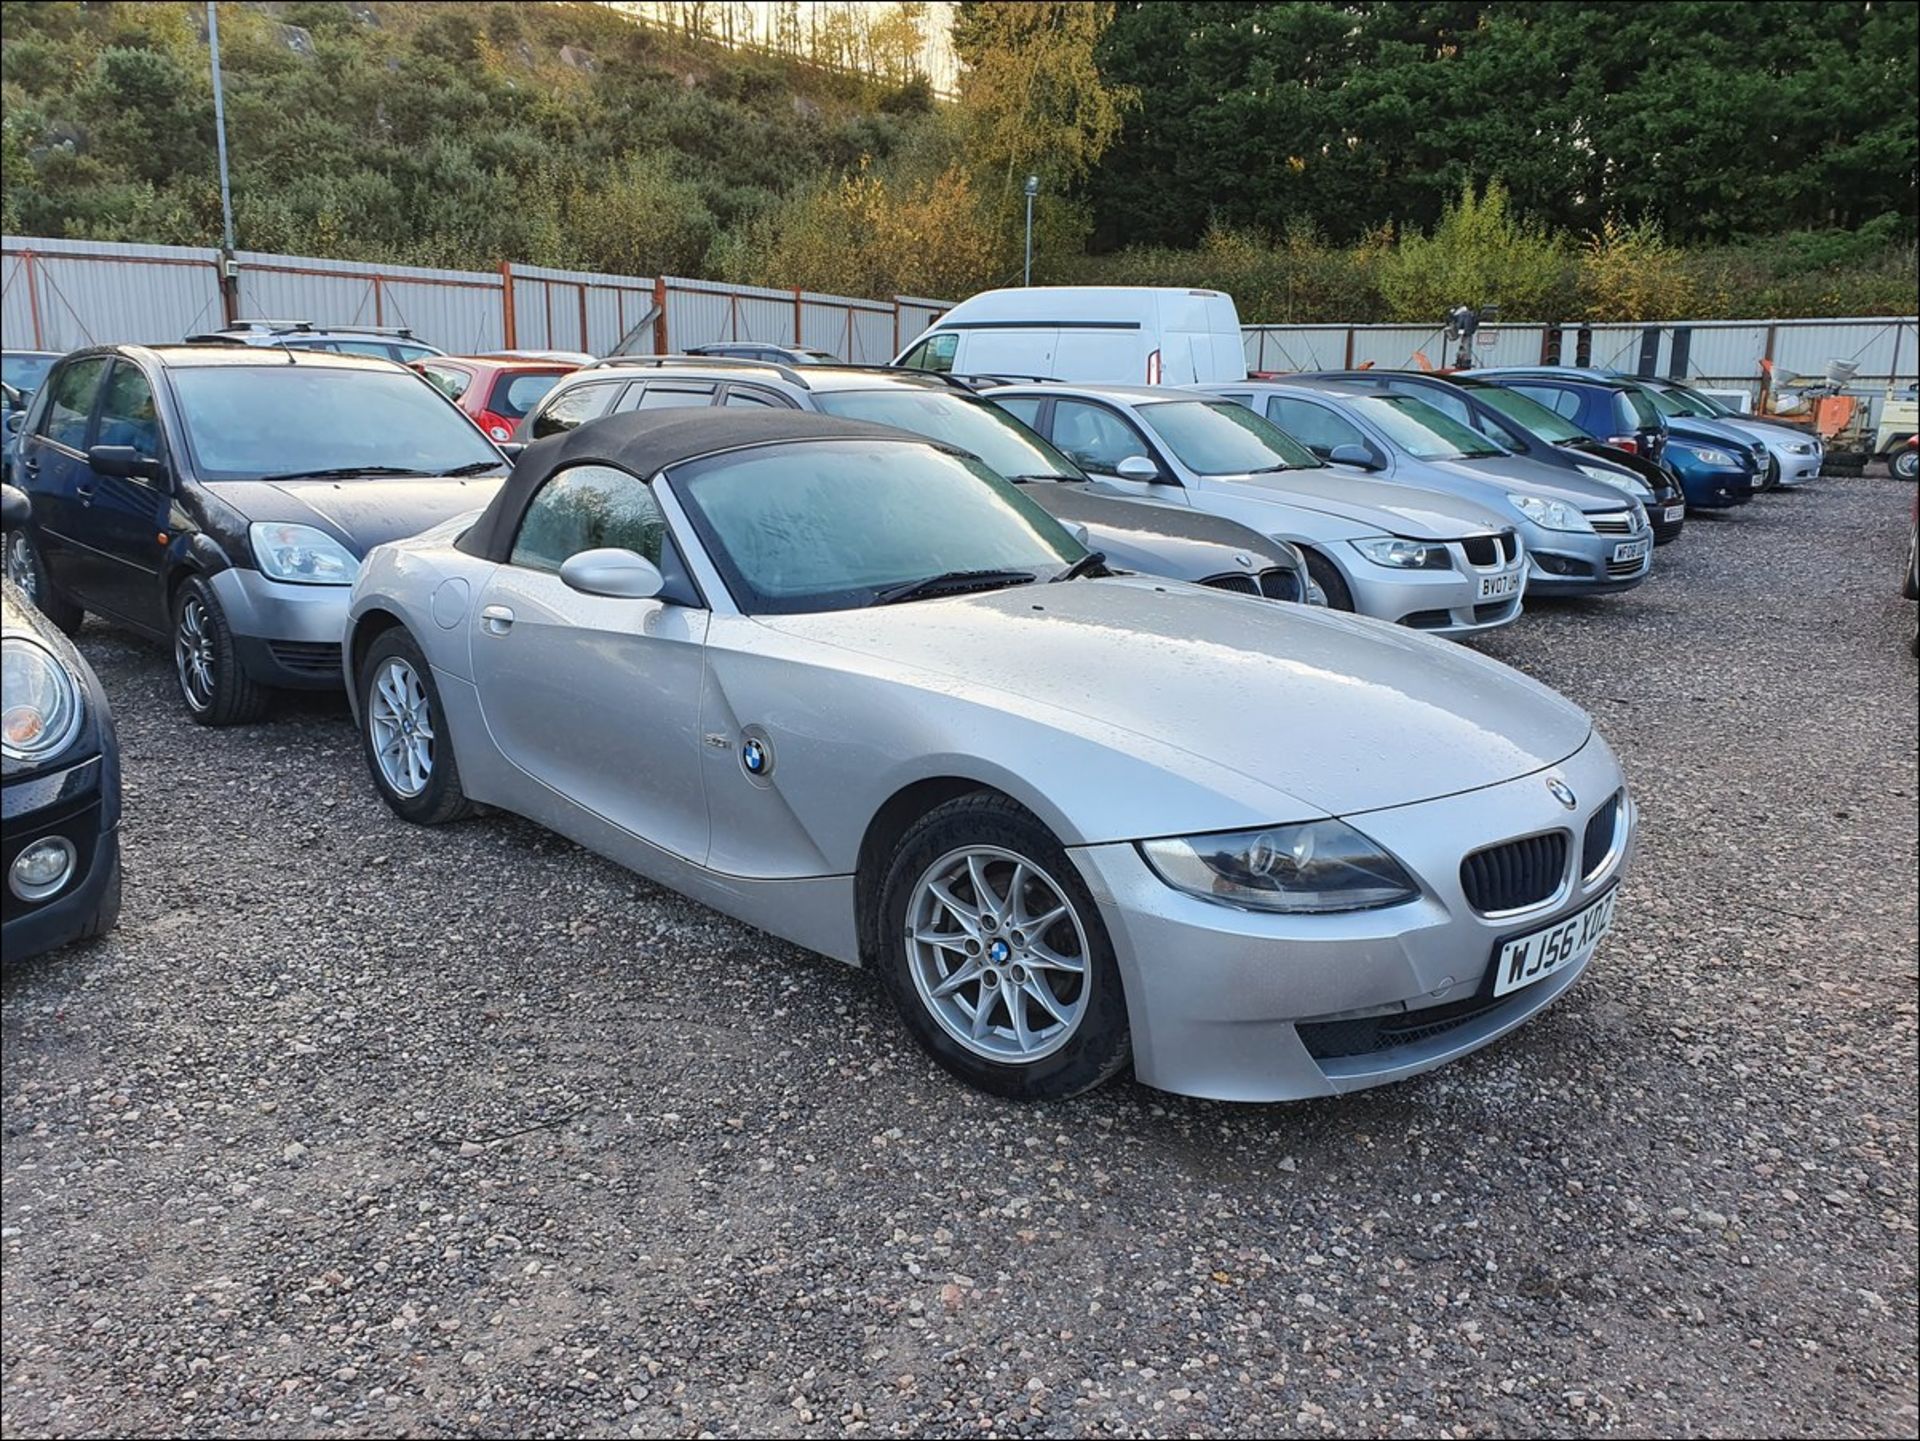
[1716,465]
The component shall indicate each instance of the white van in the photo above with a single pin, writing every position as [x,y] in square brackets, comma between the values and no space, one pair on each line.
[1091,334]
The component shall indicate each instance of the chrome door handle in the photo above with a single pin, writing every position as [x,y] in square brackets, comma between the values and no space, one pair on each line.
[497,619]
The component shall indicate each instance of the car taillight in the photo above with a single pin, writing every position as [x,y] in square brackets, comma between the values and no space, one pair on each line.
[1629,443]
[497,427]
[1153,368]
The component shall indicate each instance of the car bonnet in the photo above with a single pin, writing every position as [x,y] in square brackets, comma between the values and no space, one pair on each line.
[1344,714]
[1405,510]
[363,513]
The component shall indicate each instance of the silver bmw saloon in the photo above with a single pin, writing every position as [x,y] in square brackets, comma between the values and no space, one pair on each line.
[856,689]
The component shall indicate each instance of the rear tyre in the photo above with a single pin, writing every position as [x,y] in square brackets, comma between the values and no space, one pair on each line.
[216,687]
[996,956]
[403,731]
[1904,463]
[26,570]
[1327,576]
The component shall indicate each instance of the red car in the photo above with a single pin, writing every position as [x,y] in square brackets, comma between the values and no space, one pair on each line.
[495,390]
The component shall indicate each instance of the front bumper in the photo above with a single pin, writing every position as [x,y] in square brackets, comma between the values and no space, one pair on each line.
[285,635]
[1440,602]
[1797,468]
[1569,563]
[1244,1005]
[1716,489]
[80,803]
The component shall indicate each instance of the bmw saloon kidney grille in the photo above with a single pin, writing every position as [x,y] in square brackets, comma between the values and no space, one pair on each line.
[1238,584]
[1515,875]
[1280,584]
[1484,550]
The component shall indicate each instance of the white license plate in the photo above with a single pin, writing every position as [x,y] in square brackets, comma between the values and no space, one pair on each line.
[1493,587]
[1563,944]
[1674,512]
[1631,550]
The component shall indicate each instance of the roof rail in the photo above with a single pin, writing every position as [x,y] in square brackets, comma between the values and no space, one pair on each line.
[1002,377]
[269,325]
[700,362]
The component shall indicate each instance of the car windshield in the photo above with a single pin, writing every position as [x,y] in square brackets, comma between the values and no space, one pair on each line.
[248,421]
[1426,433]
[25,372]
[818,526]
[1670,403]
[1007,446]
[1707,404]
[1530,415]
[1220,437]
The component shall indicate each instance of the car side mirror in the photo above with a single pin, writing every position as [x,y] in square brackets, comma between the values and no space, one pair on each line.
[511,449]
[14,417]
[1357,456]
[1138,467]
[610,571]
[124,460]
[15,509]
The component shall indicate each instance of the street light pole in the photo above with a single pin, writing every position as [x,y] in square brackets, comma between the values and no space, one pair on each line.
[1032,189]
[227,286]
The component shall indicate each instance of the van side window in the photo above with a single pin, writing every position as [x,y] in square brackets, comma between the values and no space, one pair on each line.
[936,352]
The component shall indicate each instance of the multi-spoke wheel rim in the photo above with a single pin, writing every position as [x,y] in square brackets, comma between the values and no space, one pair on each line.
[998,954]
[193,653]
[400,724]
[20,567]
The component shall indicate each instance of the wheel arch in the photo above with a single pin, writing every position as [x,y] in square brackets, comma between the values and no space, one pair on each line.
[362,631]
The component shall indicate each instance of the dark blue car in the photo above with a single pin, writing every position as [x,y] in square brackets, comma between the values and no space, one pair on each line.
[1716,465]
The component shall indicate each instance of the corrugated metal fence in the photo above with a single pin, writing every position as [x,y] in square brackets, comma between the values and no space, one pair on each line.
[59,294]
[1723,353]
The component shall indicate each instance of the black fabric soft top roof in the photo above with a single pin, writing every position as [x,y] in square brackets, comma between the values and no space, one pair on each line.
[644,443]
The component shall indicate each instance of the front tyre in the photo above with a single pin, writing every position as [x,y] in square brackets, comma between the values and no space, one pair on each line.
[996,956]
[403,730]
[1327,576]
[1904,463]
[217,689]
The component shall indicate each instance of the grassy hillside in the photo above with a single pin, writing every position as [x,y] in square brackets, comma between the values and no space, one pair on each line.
[442,134]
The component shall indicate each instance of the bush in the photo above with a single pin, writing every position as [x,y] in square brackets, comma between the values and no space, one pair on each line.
[1479,254]
[1631,270]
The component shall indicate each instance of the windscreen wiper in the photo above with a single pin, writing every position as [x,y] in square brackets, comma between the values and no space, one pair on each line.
[1023,479]
[342,472]
[1093,560]
[475,468]
[951,582]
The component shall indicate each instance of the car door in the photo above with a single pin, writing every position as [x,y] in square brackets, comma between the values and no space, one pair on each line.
[53,470]
[125,518]
[1099,438]
[1320,428]
[597,697]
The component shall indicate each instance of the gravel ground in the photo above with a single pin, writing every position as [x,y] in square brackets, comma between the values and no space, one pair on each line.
[355,1129]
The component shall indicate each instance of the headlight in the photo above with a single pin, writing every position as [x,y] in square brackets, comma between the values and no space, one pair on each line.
[1550,514]
[1633,485]
[1404,554]
[1313,867]
[41,708]
[1707,455]
[1800,447]
[301,555]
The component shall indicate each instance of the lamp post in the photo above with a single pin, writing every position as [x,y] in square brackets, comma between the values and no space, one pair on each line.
[1032,188]
[227,285]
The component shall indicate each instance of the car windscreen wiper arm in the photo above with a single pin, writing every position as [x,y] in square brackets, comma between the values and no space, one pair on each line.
[342,472]
[1092,561]
[950,582]
[1023,479]
[476,467]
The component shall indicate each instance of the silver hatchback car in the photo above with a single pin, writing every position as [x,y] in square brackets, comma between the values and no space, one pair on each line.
[856,689]
[1583,536]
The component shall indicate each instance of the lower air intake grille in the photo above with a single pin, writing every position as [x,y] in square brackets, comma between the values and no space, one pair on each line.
[1620,569]
[314,658]
[1369,1035]
[1513,876]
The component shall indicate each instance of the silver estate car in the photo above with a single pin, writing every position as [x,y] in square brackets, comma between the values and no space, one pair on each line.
[1154,539]
[856,689]
[1422,559]
[1582,536]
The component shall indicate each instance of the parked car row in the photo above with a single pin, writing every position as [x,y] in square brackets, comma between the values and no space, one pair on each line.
[962,677]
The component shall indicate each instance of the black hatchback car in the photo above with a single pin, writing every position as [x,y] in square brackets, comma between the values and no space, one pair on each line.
[221,497]
[59,781]
[1528,428]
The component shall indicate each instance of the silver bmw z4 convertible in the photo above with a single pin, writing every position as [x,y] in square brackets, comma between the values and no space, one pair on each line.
[855,689]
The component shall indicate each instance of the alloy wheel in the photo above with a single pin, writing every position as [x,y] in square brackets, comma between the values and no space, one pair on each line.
[193,653]
[998,954]
[20,567]
[400,725]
